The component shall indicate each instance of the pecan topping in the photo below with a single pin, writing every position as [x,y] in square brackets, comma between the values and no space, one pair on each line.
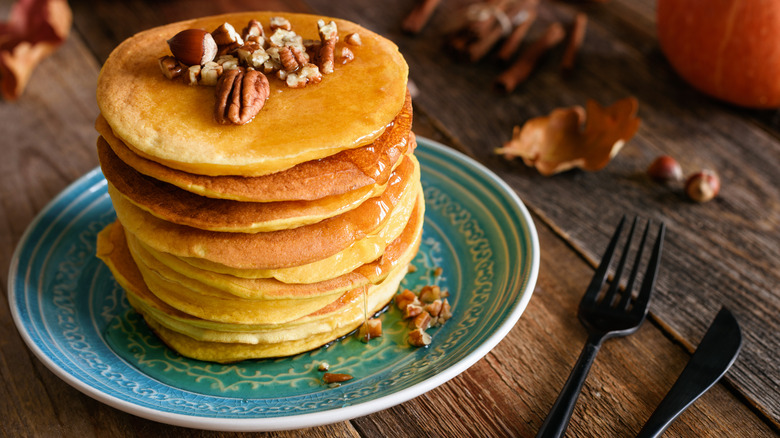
[329,36]
[292,58]
[240,96]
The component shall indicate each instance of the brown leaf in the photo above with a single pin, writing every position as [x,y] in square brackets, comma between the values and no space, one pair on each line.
[35,28]
[573,137]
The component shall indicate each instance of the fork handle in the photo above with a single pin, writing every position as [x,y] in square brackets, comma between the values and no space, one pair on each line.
[558,419]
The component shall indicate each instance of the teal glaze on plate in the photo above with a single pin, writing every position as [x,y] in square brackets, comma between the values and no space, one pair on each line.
[76,320]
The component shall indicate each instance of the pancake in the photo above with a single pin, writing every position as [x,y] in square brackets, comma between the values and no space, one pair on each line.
[178,206]
[359,253]
[270,340]
[172,123]
[347,319]
[400,251]
[275,249]
[334,175]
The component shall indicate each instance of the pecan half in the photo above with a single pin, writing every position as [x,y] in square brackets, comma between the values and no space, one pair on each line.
[240,96]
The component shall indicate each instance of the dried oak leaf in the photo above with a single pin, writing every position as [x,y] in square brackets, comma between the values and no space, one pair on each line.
[574,137]
[35,28]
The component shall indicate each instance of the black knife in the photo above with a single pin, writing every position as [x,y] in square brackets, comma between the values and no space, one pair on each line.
[716,352]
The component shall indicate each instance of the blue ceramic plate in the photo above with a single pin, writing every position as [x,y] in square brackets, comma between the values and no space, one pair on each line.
[77,321]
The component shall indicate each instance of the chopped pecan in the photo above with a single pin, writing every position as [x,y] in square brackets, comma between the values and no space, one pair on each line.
[419,338]
[434,308]
[280,23]
[371,329]
[292,58]
[336,377]
[446,312]
[253,55]
[228,62]
[170,67]
[430,293]
[240,96]
[345,55]
[210,73]
[422,321]
[354,39]
[412,310]
[252,31]
[405,298]
[226,35]
[308,74]
[329,36]
[193,74]
[281,38]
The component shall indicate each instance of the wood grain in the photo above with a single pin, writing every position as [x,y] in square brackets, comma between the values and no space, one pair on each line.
[724,252]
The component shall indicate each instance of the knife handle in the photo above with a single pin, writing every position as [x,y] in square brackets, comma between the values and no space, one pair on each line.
[716,352]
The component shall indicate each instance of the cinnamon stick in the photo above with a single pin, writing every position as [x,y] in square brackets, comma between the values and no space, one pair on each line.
[576,37]
[513,41]
[522,68]
[504,16]
[419,16]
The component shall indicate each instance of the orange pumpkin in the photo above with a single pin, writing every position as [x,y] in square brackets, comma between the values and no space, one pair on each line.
[729,49]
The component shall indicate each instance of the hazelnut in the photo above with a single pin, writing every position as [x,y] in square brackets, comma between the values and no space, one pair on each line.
[702,186]
[193,47]
[665,169]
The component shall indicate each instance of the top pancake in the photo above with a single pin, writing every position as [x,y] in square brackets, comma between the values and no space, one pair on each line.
[172,123]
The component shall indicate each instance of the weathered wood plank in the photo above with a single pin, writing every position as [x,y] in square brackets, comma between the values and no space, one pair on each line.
[726,252]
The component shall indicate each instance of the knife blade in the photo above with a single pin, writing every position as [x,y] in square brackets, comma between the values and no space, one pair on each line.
[716,352]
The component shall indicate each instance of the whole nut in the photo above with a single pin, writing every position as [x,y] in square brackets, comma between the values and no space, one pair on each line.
[665,169]
[193,47]
[702,186]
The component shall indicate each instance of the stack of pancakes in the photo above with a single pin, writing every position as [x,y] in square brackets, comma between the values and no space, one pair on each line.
[265,239]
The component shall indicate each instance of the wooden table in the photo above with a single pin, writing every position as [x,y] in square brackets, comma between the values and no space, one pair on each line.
[725,252]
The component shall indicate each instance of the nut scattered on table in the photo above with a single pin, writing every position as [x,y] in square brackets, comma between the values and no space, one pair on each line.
[665,169]
[702,186]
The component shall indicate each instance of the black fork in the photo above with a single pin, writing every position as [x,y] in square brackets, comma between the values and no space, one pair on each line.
[605,315]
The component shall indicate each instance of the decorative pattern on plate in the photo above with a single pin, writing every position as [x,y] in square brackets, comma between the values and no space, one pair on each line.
[76,320]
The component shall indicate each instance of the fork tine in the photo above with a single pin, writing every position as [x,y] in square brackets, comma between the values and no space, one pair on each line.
[634,271]
[600,276]
[609,297]
[652,270]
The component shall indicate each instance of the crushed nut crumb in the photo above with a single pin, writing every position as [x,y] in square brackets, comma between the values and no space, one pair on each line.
[419,338]
[429,294]
[354,39]
[280,23]
[324,366]
[336,377]
[370,330]
[422,321]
